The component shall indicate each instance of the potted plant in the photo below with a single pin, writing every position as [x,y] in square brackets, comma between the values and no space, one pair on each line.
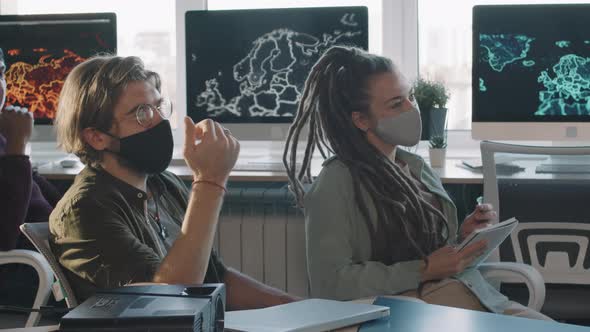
[432,97]
[438,149]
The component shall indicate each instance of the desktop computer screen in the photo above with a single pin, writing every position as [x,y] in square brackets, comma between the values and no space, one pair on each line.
[531,72]
[40,51]
[249,66]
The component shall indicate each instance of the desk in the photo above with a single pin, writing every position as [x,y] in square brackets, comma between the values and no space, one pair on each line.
[261,151]
[450,174]
[409,316]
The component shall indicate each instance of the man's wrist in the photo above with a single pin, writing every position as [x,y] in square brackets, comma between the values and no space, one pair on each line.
[222,181]
[212,184]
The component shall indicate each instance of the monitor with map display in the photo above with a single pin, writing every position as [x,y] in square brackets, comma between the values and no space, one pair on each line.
[40,51]
[247,68]
[531,72]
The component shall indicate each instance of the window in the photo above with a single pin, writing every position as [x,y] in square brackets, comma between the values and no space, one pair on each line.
[445,50]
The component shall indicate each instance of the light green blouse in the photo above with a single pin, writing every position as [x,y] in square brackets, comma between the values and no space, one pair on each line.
[338,243]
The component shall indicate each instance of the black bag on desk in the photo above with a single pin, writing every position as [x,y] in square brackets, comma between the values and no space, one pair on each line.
[198,308]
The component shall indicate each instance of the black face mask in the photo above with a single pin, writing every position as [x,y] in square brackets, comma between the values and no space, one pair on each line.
[149,151]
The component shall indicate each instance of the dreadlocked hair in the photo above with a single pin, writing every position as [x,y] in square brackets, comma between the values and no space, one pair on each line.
[335,88]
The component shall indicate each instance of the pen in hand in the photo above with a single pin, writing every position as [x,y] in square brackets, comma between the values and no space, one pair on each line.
[479,200]
[483,209]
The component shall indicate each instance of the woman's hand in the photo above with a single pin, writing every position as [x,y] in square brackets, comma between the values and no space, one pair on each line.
[479,218]
[448,261]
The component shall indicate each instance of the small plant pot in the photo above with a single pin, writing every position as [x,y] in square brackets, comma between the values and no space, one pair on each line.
[437,157]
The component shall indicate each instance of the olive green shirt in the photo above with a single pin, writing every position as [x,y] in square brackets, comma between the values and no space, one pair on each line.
[104,237]
[338,242]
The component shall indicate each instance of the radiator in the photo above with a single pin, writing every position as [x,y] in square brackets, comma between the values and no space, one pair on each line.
[262,234]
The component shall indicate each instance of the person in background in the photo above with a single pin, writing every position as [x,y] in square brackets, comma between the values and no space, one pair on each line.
[24,195]
[378,220]
[126,219]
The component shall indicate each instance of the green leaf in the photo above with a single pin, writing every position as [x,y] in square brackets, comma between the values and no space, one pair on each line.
[430,94]
[438,142]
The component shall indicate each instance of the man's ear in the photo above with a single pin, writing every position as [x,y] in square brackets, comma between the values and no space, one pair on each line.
[96,139]
[361,121]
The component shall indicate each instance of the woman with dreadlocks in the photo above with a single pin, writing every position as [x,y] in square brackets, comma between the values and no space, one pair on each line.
[378,220]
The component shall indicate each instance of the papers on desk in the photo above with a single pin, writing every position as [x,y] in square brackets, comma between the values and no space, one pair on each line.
[304,316]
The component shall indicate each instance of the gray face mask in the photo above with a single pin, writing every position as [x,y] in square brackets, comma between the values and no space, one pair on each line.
[404,129]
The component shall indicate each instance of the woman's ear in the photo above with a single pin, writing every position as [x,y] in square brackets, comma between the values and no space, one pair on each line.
[97,140]
[361,121]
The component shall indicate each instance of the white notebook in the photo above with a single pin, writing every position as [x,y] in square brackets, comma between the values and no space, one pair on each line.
[494,235]
[304,316]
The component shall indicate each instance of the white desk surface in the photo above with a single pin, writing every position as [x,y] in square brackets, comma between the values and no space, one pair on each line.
[48,164]
[451,173]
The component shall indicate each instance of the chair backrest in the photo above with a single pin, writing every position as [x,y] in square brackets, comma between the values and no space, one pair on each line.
[554,237]
[38,234]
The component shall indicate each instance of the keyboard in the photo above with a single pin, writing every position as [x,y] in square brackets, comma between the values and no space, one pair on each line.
[563,168]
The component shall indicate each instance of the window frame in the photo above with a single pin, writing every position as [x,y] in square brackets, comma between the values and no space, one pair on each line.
[400,34]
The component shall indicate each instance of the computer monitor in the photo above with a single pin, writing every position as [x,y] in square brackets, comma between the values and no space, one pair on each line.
[247,68]
[40,51]
[531,72]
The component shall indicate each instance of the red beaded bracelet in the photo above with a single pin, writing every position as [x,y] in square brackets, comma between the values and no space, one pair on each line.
[211,183]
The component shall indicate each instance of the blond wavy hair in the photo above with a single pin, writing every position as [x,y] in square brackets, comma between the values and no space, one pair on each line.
[88,98]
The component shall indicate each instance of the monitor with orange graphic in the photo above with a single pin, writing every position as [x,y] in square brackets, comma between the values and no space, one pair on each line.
[40,51]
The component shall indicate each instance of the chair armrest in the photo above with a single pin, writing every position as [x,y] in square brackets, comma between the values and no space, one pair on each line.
[518,273]
[40,264]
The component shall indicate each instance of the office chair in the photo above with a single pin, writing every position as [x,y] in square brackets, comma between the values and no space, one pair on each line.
[38,234]
[41,266]
[554,229]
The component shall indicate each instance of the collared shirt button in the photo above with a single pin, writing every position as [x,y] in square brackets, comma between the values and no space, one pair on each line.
[139,195]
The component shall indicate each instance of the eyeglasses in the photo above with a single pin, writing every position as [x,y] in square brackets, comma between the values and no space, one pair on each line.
[145,113]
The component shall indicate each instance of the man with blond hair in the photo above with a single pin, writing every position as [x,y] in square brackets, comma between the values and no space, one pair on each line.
[125,219]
